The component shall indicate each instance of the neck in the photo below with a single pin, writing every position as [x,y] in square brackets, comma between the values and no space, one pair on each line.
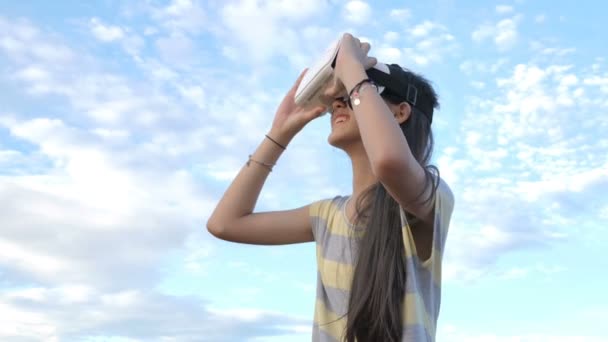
[363,177]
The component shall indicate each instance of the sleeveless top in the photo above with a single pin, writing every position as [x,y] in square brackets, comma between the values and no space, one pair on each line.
[336,246]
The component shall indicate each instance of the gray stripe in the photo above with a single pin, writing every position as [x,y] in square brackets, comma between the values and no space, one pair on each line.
[335,300]
[429,290]
[338,248]
[425,286]
[321,222]
[438,239]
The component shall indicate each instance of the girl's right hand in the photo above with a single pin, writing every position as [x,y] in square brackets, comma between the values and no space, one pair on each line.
[291,118]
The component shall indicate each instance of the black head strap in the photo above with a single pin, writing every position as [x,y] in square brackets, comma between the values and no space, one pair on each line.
[406,91]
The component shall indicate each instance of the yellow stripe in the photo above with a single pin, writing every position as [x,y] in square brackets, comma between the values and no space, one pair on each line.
[434,265]
[332,212]
[408,242]
[334,274]
[323,316]
[415,313]
[339,275]
[316,207]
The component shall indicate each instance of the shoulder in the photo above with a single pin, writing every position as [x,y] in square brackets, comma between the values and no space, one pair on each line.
[326,207]
[321,214]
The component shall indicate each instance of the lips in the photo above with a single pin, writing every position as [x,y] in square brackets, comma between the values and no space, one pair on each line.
[339,118]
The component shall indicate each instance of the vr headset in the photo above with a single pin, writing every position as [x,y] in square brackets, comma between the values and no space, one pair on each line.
[389,78]
[317,78]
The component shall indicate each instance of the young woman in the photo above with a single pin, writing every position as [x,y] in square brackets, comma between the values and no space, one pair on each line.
[379,251]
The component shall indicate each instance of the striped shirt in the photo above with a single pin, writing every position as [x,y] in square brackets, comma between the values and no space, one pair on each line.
[334,236]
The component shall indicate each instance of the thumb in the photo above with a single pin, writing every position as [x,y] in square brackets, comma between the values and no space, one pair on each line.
[315,112]
[370,62]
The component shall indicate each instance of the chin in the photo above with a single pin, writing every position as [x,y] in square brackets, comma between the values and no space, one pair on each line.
[334,139]
[340,141]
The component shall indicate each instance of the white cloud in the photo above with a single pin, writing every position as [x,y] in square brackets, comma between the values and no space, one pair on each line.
[423,29]
[357,12]
[21,41]
[278,26]
[132,315]
[400,14]
[391,36]
[181,16]
[176,48]
[504,33]
[80,210]
[541,48]
[431,42]
[504,9]
[388,54]
[105,33]
[98,202]
[516,135]
[483,32]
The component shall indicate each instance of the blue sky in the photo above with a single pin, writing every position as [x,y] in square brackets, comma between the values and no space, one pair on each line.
[122,123]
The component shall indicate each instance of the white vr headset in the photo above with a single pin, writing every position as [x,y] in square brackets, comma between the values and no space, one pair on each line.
[318,77]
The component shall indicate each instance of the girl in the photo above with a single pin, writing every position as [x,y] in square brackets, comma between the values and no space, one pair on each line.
[379,251]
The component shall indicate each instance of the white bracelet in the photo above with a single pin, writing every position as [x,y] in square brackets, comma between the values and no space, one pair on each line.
[355,97]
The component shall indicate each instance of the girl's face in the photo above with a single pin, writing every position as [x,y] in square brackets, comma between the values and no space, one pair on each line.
[344,129]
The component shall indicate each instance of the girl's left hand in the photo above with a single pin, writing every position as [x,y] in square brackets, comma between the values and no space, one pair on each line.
[352,56]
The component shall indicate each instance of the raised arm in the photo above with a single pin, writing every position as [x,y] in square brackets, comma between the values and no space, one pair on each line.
[233,218]
[387,148]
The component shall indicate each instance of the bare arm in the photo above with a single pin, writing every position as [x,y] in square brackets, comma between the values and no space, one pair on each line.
[388,151]
[234,219]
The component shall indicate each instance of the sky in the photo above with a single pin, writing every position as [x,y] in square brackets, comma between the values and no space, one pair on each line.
[123,122]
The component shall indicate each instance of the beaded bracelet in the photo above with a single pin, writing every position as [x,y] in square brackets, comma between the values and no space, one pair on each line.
[266,165]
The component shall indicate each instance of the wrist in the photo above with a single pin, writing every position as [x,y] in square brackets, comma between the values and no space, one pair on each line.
[354,74]
[280,137]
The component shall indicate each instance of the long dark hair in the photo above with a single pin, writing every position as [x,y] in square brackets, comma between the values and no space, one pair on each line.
[375,307]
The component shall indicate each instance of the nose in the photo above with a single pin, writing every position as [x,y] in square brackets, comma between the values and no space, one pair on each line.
[338,103]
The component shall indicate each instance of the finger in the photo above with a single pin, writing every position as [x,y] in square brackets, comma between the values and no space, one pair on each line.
[316,112]
[311,114]
[366,47]
[370,62]
[298,81]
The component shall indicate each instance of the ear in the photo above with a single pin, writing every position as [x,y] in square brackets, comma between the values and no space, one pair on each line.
[402,112]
